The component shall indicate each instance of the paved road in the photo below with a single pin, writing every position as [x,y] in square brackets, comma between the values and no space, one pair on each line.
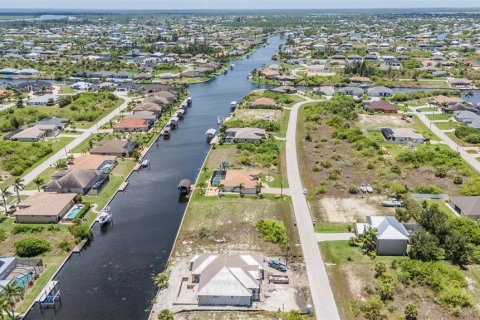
[470,159]
[324,303]
[79,139]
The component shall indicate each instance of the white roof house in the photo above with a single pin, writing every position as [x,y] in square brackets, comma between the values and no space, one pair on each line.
[392,237]
[227,280]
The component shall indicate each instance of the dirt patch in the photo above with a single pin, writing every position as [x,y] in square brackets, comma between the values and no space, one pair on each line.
[376,121]
[258,114]
[352,209]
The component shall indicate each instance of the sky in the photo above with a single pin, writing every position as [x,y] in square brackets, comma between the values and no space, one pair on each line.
[231,4]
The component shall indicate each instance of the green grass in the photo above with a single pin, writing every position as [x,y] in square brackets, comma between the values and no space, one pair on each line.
[277,182]
[332,227]
[45,175]
[106,193]
[338,252]
[84,146]
[438,116]
[66,90]
[284,122]
[447,125]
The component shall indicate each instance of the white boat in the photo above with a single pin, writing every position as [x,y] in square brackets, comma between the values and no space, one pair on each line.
[104,218]
[210,134]
[232,66]
[369,188]
[189,100]
[145,163]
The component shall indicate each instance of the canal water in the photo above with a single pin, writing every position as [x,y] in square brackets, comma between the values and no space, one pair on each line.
[113,277]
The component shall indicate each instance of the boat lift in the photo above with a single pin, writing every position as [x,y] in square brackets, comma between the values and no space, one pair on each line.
[48,298]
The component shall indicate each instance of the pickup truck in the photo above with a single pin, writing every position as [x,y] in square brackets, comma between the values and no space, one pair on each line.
[275,264]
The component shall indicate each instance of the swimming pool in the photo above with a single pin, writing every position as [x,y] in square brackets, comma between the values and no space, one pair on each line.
[74,212]
[22,280]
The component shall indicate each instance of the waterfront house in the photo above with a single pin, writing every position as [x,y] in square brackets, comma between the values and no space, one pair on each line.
[391,237]
[148,106]
[467,206]
[44,207]
[132,125]
[459,83]
[82,181]
[402,135]
[244,135]
[351,91]
[227,280]
[362,81]
[114,147]
[380,91]
[93,162]
[144,115]
[263,103]
[241,181]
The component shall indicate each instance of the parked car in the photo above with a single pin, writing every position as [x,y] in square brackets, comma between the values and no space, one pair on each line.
[392,202]
[278,265]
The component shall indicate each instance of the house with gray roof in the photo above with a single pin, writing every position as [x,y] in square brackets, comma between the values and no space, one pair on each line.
[82,181]
[468,206]
[351,91]
[391,237]
[244,135]
[227,280]
[380,91]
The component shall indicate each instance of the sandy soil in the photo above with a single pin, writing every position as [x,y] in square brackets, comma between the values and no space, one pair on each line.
[352,209]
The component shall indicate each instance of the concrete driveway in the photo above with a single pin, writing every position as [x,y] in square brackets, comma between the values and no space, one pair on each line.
[322,295]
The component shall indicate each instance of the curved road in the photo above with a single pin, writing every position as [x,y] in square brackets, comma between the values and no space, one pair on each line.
[322,295]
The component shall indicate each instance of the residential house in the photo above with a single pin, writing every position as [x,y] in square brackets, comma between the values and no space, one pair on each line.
[351,91]
[391,237]
[402,135]
[93,162]
[60,123]
[132,125]
[227,280]
[362,81]
[380,92]
[248,181]
[459,83]
[244,135]
[48,99]
[468,206]
[44,207]
[82,181]
[114,147]
[380,106]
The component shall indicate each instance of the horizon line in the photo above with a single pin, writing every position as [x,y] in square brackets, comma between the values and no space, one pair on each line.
[244,9]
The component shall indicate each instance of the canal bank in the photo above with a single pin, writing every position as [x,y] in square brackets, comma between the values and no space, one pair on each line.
[112,278]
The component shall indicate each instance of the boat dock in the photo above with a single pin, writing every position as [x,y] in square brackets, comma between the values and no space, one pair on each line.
[123,186]
[47,298]
[79,246]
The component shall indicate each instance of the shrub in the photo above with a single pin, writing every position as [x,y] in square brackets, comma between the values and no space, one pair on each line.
[161,280]
[372,308]
[353,189]
[64,245]
[458,180]
[81,231]
[429,189]
[441,172]
[31,247]
[25,228]
[165,314]
[273,231]
[320,190]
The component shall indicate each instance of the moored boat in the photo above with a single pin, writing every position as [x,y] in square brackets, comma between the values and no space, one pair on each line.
[184,186]
[189,101]
[210,134]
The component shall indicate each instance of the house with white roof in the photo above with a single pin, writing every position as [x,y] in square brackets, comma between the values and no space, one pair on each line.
[392,237]
[227,280]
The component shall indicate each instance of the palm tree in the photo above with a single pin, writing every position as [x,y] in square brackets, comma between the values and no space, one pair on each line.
[258,187]
[12,293]
[241,187]
[5,194]
[38,182]
[18,186]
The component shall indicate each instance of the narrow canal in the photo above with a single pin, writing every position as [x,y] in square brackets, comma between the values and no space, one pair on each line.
[112,278]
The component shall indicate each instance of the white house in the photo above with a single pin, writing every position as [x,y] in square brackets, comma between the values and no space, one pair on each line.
[392,237]
[227,280]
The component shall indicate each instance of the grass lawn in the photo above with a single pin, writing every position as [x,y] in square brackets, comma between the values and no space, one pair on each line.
[106,194]
[66,90]
[277,182]
[447,125]
[284,123]
[441,205]
[45,176]
[438,116]
[332,227]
